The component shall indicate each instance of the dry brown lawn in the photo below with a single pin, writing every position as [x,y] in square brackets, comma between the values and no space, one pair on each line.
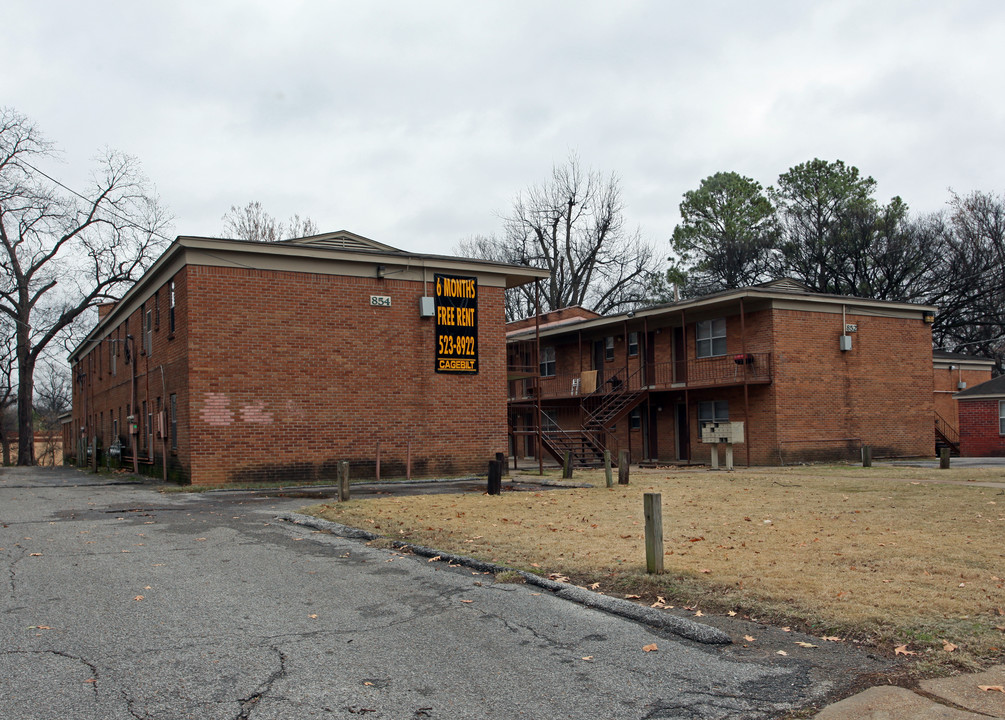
[887,555]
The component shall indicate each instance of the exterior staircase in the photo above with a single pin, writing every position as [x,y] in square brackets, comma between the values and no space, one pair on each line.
[946,435]
[604,409]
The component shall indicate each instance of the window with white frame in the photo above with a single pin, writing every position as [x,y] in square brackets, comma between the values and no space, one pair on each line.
[1001,417]
[712,412]
[148,334]
[609,348]
[548,361]
[633,344]
[710,338]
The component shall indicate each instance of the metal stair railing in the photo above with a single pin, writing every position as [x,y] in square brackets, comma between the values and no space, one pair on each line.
[622,394]
[949,434]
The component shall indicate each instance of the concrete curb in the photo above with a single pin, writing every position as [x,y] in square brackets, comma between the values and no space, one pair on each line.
[682,627]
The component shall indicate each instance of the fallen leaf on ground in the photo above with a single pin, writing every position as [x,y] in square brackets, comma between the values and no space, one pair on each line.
[902,650]
[831,638]
[749,638]
[91,680]
[313,617]
[434,558]
[649,648]
[367,682]
[948,646]
[587,657]
[467,601]
[786,629]
[699,613]
[39,627]
[732,613]
[138,598]
[594,586]
[34,554]
[992,688]
[806,644]
[781,652]
[633,597]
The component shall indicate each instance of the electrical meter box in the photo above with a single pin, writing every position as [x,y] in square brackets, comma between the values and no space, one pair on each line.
[724,432]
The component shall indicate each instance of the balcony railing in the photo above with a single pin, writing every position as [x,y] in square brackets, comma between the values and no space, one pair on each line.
[735,369]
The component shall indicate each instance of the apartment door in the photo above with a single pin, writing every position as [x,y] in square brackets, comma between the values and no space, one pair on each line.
[599,351]
[683,434]
[679,355]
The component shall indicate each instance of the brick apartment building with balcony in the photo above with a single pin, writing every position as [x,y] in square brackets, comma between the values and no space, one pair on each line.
[812,376]
[232,361]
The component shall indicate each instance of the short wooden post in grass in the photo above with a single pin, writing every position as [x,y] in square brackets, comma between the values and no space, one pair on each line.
[503,465]
[608,473]
[495,478]
[623,463]
[944,458]
[342,474]
[567,465]
[652,504]
[867,456]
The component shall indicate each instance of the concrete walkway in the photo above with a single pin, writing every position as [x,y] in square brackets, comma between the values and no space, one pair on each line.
[953,698]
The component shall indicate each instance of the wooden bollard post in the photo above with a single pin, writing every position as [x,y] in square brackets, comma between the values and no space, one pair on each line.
[623,462]
[652,505]
[343,480]
[944,458]
[608,474]
[495,478]
[567,465]
[503,465]
[867,456]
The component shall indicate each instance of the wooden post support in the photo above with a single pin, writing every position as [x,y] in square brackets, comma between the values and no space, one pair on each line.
[495,478]
[624,460]
[342,474]
[503,465]
[608,474]
[944,458]
[567,465]
[867,456]
[652,504]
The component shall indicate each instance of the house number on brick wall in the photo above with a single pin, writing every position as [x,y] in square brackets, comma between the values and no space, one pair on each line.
[380,300]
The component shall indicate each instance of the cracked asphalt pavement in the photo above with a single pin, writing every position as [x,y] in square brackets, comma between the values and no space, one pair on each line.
[123,602]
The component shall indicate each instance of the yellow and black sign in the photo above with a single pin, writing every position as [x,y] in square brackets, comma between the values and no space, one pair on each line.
[456,324]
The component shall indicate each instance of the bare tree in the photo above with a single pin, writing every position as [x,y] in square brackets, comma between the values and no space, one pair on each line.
[252,222]
[63,252]
[53,396]
[8,387]
[574,226]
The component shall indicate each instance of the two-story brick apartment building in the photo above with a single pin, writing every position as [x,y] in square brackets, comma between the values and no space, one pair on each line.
[812,376]
[239,361]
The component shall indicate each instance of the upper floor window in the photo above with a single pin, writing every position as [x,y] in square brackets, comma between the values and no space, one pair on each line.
[609,348]
[710,338]
[547,361]
[171,306]
[148,333]
[633,344]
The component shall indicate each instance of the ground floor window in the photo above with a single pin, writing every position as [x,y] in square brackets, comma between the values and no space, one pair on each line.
[635,419]
[712,412]
[1001,417]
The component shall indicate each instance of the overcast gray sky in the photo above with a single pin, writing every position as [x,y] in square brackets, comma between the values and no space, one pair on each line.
[416,123]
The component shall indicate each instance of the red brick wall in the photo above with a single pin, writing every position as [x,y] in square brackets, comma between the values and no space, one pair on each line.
[102,395]
[979,429]
[293,372]
[828,402]
[945,384]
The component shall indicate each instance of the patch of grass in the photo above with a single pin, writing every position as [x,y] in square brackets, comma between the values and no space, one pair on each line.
[510,576]
[884,555]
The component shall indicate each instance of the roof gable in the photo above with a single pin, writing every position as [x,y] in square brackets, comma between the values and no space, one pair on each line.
[995,387]
[341,240]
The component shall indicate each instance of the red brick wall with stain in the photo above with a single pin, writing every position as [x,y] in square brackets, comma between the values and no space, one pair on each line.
[980,433]
[292,372]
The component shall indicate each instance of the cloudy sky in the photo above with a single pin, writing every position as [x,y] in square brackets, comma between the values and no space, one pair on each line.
[416,123]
